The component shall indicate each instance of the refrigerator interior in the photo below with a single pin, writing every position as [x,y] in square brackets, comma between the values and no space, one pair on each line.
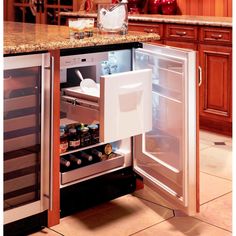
[87,111]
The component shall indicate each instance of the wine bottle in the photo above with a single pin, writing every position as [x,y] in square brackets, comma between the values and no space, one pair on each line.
[64,162]
[108,149]
[86,156]
[96,153]
[75,159]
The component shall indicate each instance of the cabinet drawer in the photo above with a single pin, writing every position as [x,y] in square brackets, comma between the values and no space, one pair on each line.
[216,35]
[147,28]
[181,32]
[120,108]
[178,44]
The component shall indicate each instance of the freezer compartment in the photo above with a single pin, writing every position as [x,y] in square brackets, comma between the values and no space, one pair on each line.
[92,169]
[120,107]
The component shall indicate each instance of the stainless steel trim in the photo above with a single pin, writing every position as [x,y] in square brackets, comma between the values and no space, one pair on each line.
[51,135]
[42,130]
[45,131]
[18,62]
[200,76]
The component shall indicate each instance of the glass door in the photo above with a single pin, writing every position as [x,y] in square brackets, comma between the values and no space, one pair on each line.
[40,11]
[166,156]
[26,11]
[51,11]
[26,135]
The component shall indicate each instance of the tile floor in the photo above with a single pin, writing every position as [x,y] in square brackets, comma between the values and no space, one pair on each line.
[146,214]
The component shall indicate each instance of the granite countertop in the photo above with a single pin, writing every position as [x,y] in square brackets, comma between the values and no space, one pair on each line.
[24,37]
[177,19]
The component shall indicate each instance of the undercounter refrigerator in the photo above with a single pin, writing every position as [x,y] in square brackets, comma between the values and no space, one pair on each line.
[132,107]
[27,146]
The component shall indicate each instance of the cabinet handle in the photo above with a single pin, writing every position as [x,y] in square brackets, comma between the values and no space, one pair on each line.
[181,33]
[51,132]
[148,30]
[200,76]
[216,36]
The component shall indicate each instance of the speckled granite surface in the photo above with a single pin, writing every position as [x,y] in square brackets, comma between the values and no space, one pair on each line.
[23,38]
[178,19]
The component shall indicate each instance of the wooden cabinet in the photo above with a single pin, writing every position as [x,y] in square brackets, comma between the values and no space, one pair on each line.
[216,35]
[181,32]
[182,36]
[46,12]
[214,47]
[215,59]
[148,28]
[216,88]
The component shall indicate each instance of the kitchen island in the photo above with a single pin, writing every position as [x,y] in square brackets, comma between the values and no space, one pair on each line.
[28,38]
[31,63]
[142,87]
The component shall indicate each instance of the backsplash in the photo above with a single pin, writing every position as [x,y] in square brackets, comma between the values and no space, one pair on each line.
[205,7]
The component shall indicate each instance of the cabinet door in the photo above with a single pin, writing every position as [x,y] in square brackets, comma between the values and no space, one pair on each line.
[166,156]
[216,88]
[125,105]
[23,11]
[51,11]
[26,135]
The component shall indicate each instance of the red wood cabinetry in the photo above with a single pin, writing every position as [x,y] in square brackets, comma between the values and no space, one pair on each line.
[215,59]
[183,36]
[148,28]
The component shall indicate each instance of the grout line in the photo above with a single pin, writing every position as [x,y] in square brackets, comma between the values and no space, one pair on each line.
[54,231]
[216,176]
[215,198]
[203,149]
[153,202]
[151,226]
[212,224]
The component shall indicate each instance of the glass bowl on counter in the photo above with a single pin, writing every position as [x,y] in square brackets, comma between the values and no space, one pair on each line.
[113,18]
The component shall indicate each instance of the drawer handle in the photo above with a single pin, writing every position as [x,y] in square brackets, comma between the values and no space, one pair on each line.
[181,33]
[200,76]
[216,36]
[148,30]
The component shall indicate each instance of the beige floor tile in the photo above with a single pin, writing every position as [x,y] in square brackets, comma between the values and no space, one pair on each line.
[120,217]
[212,187]
[183,226]
[45,232]
[218,212]
[204,145]
[213,137]
[216,161]
[150,195]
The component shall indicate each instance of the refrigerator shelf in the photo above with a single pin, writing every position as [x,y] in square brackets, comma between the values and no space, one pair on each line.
[93,169]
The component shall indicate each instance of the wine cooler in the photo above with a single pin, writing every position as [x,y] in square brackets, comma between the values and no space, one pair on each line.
[27,122]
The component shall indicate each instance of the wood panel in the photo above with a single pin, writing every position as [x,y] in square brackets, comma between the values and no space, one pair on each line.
[215,91]
[205,8]
[54,214]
